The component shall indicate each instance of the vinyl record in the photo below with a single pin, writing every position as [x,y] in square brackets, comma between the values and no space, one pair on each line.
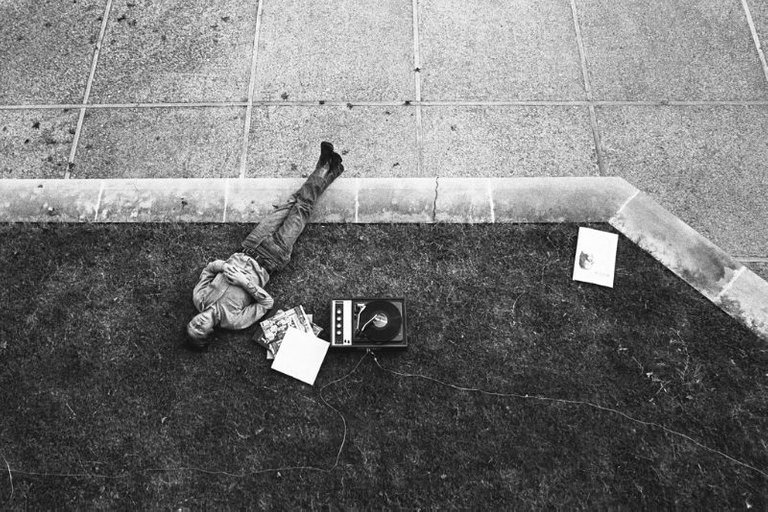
[380,321]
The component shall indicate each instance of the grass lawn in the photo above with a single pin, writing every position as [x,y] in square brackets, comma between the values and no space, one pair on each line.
[104,407]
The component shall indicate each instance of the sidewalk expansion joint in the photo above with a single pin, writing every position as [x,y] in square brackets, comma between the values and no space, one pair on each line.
[357,200]
[755,37]
[251,91]
[87,93]
[729,284]
[412,103]
[98,201]
[629,200]
[751,259]
[490,202]
[226,200]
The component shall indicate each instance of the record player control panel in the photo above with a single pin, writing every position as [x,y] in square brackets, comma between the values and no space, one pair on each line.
[341,313]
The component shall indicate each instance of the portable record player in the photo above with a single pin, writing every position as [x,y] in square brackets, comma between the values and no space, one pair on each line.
[368,323]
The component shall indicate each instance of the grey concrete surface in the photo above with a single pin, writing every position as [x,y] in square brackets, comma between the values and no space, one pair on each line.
[679,247]
[46,48]
[479,50]
[508,141]
[160,143]
[464,200]
[706,164]
[35,143]
[521,200]
[347,50]
[746,300]
[560,199]
[172,200]
[176,51]
[662,50]
[390,200]
[49,200]
[759,11]
[373,141]
[761,269]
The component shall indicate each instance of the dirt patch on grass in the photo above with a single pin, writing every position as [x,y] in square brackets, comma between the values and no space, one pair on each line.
[103,406]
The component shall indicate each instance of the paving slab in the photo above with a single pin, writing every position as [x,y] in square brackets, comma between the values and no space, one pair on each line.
[36,143]
[345,51]
[464,200]
[474,200]
[518,50]
[508,141]
[661,50]
[566,199]
[160,143]
[373,141]
[759,11]
[171,200]
[176,51]
[384,200]
[706,164]
[746,300]
[761,269]
[677,245]
[48,200]
[46,48]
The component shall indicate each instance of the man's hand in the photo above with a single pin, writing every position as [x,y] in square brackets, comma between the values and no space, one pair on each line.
[235,275]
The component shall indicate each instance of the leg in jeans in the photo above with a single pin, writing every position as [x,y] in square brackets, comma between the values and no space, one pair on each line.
[298,216]
[275,219]
[288,222]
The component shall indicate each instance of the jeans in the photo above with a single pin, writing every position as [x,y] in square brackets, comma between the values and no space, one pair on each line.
[271,241]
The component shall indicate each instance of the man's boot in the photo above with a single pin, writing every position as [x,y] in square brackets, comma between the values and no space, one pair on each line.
[326,152]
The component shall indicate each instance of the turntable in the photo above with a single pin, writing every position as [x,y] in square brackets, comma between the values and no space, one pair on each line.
[368,323]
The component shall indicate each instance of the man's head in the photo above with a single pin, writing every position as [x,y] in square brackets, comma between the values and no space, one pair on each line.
[200,328]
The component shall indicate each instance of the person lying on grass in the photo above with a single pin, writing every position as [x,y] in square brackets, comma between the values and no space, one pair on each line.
[230,293]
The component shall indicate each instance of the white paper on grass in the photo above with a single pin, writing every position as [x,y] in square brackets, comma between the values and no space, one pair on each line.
[300,355]
[595,257]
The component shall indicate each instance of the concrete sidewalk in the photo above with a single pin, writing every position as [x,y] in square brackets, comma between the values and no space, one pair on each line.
[671,96]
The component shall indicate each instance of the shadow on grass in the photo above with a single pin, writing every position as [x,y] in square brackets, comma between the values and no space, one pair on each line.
[103,406]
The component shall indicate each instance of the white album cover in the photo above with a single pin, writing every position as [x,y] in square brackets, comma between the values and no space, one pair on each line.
[300,356]
[595,257]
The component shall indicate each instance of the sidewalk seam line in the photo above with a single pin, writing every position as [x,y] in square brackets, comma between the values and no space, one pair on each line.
[87,93]
[637,193]
[582,52]
[755,37]
[226,199]
[588,90]
[434,204]
[751,259]
[729,285]
[357,200]
[417,85]
[428,103]
[251,90]
[490,202]
[98,201]
[597,140]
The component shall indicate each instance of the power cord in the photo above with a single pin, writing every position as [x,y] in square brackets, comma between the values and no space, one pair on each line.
[573,402]
[344,436]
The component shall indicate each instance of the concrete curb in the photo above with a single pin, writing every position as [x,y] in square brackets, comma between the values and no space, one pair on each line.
[721,279]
